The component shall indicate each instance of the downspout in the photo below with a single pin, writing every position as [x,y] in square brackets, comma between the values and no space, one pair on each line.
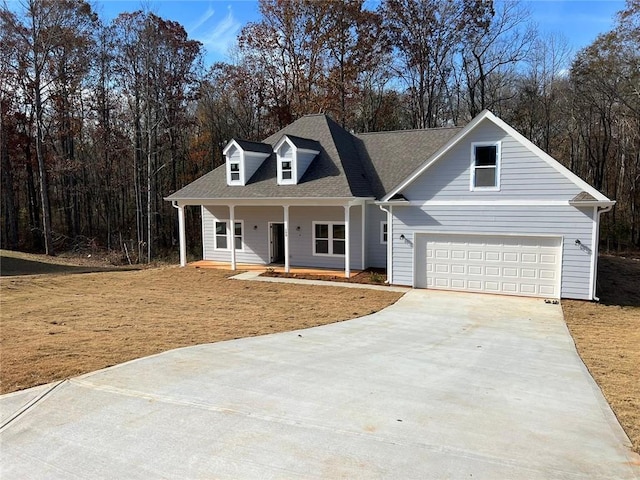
[389,243]
[596,248]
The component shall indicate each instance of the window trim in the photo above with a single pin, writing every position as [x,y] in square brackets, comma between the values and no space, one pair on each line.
[293,160]
[230,172]
[283,170]
[472,183]
[330,239]
[384,232]
[231,236]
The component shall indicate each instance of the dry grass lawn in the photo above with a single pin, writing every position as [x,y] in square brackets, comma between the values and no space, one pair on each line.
[607,335]
[57,326]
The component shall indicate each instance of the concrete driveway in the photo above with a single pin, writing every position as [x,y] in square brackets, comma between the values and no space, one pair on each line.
[440,385]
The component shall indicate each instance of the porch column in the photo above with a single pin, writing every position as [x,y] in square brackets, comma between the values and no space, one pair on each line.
[182,238]
[363,235]
[347,243]
[286,238]
[232,227]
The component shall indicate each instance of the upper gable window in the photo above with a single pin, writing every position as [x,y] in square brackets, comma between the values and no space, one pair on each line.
[485,166]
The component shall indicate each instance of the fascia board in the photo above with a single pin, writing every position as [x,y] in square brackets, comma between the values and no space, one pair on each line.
[231,143]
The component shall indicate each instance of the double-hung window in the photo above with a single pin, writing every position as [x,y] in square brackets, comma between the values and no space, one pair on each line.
[485,166]
[234,168]
[285,169]
[329,238]
[383,232]
[224,235]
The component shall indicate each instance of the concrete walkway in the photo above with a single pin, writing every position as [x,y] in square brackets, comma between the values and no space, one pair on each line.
[440,385]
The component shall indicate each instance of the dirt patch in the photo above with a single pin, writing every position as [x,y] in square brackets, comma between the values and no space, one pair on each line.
[607,337]
[371,276]
[57,326]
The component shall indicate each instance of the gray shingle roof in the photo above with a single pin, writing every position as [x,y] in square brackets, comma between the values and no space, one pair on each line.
[390,157]
[365,165]
[253,146]
[304,143]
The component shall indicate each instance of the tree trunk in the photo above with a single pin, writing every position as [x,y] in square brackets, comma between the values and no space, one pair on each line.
[10,237]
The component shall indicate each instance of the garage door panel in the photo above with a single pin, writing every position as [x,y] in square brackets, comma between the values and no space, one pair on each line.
[492,271]
[492,256]
[548,274]
[499,264]
[510,257]
[510,272]
[458,270]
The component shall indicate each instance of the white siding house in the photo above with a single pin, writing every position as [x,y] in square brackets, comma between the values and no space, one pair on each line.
[477,209]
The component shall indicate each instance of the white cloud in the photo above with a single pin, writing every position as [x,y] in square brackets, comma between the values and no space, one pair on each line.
[221,35]
[202,20]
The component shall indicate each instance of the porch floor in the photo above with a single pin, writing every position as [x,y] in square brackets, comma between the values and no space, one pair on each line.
[329,272]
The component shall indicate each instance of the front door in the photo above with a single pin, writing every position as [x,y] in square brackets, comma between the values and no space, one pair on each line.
[276,242]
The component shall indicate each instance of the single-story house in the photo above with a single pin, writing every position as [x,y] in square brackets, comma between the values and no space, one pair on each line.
[478,208]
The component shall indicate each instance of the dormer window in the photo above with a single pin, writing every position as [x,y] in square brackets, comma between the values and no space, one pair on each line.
[294,155]
[485,166]
[285,170]
[234,168]
[243,159]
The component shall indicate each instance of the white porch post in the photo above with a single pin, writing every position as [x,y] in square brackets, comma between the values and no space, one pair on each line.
[182,238]
[347,244]
[286,238]
[363,235]
[232,228]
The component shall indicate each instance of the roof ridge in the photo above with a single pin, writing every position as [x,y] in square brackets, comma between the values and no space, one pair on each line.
[410,130]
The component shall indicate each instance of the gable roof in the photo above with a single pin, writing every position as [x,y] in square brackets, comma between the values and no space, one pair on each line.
[487,115]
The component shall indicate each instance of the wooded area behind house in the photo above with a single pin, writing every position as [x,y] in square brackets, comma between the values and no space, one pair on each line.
[99,122]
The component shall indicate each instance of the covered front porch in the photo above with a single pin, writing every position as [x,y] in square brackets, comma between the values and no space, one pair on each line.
[293,236]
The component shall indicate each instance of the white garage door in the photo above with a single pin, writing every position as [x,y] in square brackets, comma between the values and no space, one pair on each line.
[491,264]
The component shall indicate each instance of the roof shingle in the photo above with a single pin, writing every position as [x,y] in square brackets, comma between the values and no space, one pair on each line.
[365,165]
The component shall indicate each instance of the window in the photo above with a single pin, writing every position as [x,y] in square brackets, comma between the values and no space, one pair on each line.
[235,171]
[383,232]
[286,170]
[485,166]
[223,233]
[237,235]
[329,238]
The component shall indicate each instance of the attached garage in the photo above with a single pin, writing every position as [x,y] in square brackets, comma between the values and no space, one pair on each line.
[501,264]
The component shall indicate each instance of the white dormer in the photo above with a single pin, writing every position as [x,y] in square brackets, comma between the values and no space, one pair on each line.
[294,155]
[243,159]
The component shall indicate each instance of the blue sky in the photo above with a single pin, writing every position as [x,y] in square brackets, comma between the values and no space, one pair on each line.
[216,23]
